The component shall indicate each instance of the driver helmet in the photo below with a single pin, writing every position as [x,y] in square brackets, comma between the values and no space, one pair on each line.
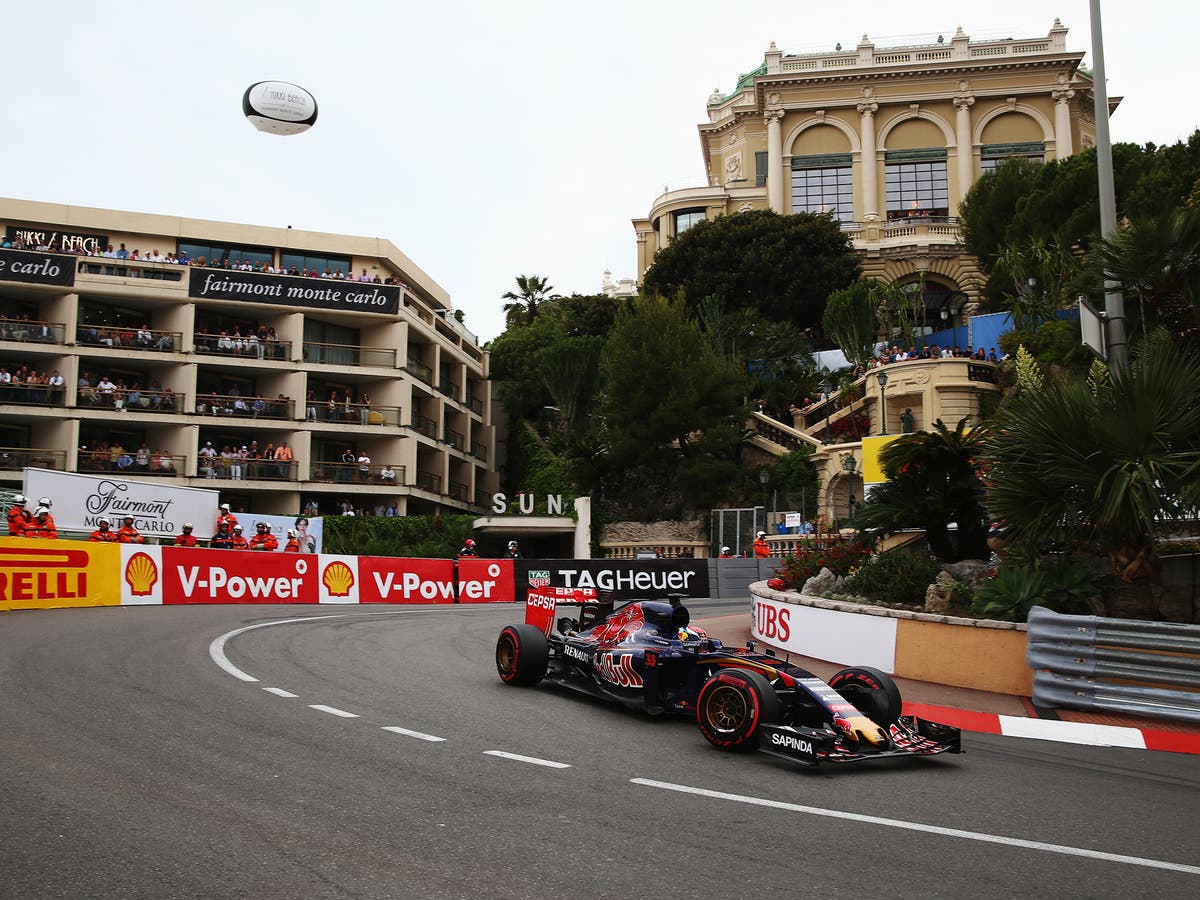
[103,522]
[691,635]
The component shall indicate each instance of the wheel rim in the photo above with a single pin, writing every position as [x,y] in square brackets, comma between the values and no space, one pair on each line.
[506,657]
[725,709]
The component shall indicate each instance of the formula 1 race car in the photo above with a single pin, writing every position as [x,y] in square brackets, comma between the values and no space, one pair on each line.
[648,656]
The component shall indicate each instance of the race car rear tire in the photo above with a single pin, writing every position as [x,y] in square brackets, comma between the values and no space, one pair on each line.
[522,655]
[731,706]
[871,691]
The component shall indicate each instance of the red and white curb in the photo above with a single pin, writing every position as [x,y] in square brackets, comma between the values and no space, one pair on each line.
[1063,732]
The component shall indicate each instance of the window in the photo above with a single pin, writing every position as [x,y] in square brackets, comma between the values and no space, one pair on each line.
[214,253]
[686,218]
[994,154]
[760,168]
[917,185]
[823,184]
[330,344]
[304,261]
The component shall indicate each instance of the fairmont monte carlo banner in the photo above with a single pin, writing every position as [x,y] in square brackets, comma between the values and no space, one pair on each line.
[318,293]
[36,268]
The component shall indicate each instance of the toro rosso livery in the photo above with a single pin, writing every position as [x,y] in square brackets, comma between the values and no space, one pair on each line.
[647,655]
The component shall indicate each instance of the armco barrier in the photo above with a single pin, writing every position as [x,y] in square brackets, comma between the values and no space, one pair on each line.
[1115,665]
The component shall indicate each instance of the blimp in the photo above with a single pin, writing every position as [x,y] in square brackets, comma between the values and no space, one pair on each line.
[279,107]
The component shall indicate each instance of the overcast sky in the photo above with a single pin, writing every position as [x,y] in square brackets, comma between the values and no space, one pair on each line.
[483,139]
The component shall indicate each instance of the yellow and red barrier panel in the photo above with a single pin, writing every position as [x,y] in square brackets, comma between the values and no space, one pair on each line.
[37,574]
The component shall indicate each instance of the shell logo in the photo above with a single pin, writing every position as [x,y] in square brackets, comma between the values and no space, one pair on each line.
[141,574]
[338,579]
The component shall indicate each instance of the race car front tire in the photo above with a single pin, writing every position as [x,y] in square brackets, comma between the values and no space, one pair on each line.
[731,706]
[872,692]
[522,655]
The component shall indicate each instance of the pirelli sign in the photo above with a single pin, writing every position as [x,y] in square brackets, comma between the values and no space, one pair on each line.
[53,574]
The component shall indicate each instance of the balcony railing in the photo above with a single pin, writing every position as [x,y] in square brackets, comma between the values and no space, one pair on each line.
[129,268]
[129,338]
[23,394]
[161,465]
[460,491]
[352,473]
[242,346]
[349,355]
[415,367]
[479,451]
[28,330]
[449,388]
[425,426]
[365,414]
[454,439]
[475,404]
[483,498]
[17,458]
[245,407]
[429,482]
[236,469]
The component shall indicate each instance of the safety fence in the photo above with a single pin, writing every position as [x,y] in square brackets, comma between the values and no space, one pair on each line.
[38,574]
[1115,665]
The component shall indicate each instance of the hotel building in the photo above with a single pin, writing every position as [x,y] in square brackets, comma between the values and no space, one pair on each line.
[169,358]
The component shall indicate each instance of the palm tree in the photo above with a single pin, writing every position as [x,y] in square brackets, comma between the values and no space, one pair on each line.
[522,308]
[933,480]
[1071,465]
[1157,259]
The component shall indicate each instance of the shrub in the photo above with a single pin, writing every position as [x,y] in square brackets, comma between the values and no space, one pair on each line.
[839,557]
[897,576]
[1063,586]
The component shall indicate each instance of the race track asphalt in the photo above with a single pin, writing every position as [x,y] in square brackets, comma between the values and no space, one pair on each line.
[135,766]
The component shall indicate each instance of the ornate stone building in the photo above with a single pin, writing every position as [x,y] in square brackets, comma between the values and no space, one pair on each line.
[888,141]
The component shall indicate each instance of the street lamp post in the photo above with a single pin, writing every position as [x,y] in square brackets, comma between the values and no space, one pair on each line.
[827,392]
[764,478]
[883,380]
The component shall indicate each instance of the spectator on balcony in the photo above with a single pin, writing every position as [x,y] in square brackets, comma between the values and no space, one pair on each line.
[143,337]
[223,461]
[166,464]
[364,466]
[333,406]
[207,456]
[283,456]
[781,527]
[122,253]
[348,460]
[347,405]
[237,463]
[268,460]
[141,459]
[310,406]
[364,277]
[387,474]
[106,390]
[225,343]
[279,409]
[57,385]
[364,403]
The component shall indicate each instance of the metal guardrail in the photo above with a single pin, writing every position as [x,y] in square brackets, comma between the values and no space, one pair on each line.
[1115,665]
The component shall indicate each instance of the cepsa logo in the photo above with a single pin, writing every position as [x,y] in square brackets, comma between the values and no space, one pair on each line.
[42,574]
[235,576]
[771,623]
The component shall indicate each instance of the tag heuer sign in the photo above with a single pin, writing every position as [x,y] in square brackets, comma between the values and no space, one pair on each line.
[539,578]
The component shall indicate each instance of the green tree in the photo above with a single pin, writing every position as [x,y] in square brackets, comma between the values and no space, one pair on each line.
[933,480]
[672,407]
[783,267]
[522,308]
[1070,467]
[851,320]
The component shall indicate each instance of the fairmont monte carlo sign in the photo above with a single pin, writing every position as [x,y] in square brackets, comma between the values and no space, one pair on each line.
[319,293]
[30,267]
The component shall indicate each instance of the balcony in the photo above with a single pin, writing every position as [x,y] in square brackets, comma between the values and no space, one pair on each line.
[352,473]
[348,355]
[130,268]
[222,405]
[32,331]
[139,339]
[429,482]
[365,414]
[460,491]
[130,400]
[17,458]
[479,451]
[237,469]
[425,426]
[449,388]
[453,439]
[124,463]
[21,394]
[475,403]
[241,346]
[417,368]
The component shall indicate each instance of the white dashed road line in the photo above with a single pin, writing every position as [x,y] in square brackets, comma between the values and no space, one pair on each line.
[928,829]
[550,764]
[280,692]
[332,710]
[395,729]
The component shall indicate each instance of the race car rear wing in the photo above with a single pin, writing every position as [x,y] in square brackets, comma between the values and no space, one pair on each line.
[541,605]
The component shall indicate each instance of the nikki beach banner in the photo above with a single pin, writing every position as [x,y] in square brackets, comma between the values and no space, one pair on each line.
[318,293]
